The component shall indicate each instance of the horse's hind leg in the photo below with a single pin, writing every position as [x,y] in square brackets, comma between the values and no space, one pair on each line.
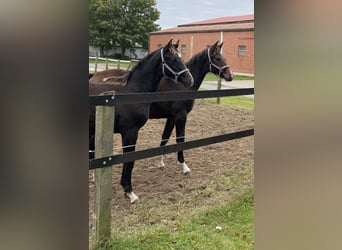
[169,125]
[129,140]
[180,133]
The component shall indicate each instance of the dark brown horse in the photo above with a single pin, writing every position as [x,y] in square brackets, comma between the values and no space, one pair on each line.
[129,118]
[104,76]
[209,60]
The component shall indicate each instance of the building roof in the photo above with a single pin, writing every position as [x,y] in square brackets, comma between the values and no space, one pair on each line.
[231,23]
[208,28]
[221,20]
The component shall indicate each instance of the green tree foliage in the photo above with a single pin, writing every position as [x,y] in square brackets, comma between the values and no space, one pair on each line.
[122,23]
[101,28]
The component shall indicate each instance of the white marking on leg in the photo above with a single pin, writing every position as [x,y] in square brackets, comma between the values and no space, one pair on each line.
[161,163]
[186,169]
[132,197]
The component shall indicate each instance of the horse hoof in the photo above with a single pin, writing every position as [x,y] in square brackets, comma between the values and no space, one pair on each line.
[132,197]
[161,163]
[186,169]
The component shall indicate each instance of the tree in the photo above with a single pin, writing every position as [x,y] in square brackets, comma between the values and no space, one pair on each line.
[101,29]
[123,23]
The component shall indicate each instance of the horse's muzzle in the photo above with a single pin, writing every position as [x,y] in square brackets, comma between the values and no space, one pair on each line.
[228,77]
[188,79]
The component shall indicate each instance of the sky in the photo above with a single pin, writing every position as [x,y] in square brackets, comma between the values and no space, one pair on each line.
[176,12]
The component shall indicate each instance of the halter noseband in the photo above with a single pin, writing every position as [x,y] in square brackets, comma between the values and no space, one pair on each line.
[164,64]
[213,64]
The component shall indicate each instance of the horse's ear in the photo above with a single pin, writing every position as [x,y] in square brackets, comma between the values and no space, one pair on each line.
[176,45]
[220,45]
[213,48]
[169,44]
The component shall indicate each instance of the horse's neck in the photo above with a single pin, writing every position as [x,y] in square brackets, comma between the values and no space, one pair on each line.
[198,69]
[147,77]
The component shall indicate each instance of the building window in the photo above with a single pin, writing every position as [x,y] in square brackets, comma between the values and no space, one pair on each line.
[242,50]
[183,49]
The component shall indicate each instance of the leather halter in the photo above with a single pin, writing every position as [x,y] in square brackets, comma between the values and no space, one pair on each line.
[214,65]
[164,64]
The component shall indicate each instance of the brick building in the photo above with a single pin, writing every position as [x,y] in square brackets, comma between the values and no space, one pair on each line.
[237,33]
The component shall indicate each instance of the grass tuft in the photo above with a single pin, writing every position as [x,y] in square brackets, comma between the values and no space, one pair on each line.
[234,101]
[235,230]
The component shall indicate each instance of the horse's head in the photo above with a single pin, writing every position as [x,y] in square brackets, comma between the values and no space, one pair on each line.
[173,65]
[218,64]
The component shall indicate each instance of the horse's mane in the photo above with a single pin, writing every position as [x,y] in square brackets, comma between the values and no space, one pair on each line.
[193,60]
[138,65]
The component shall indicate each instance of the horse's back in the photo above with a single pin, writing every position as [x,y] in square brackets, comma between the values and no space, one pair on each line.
[98,88]
[99,76]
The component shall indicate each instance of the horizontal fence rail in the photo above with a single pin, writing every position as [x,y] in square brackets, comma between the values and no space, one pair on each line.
[132,98]
[142,154]
[117,99]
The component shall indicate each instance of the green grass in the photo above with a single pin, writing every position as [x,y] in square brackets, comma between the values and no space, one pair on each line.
[234,101]
[235,218]
[211,77]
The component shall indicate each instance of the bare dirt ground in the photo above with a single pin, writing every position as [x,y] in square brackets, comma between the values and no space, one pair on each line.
[218,171]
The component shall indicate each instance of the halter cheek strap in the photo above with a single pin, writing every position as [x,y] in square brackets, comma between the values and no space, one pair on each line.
[220,69]
[165,65]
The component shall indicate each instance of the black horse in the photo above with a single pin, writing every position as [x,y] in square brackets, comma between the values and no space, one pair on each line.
[129,118]
[208,60]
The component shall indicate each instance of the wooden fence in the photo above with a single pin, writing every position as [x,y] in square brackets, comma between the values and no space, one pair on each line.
[104,159]
[105,61]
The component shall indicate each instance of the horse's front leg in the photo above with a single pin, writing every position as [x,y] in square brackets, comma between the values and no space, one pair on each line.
[129,140]
[180,134]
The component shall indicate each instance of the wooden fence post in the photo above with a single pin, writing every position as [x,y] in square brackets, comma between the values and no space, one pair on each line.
[107,63]
[96,64]
[218,88]
[103,176]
